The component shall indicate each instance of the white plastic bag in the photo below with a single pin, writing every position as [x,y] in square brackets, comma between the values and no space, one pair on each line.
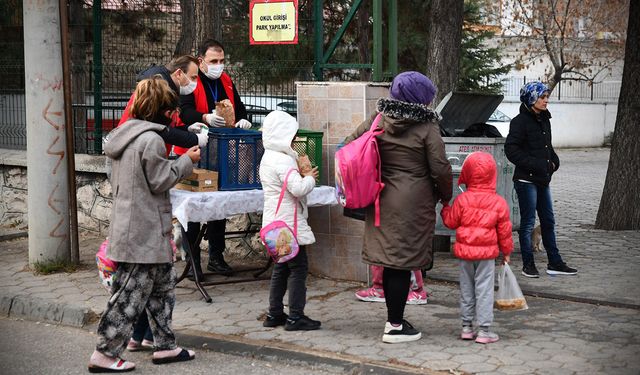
[509,297]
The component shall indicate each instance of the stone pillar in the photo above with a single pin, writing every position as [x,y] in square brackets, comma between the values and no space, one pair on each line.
[336,109]
[48,187]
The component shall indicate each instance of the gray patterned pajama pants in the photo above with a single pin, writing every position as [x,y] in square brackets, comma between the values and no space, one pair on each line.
[138,287]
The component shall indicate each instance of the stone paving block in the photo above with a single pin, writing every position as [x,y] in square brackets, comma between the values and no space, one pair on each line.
[477,367]
[468,358]
[516,370]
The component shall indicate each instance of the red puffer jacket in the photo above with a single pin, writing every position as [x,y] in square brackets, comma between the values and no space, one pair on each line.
[479,215]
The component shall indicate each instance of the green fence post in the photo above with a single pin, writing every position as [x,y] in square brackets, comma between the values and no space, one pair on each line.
[393,37]
[318,39]
[97,76]
[377,40]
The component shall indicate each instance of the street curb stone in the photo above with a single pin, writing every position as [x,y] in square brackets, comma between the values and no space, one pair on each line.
[32,308]
[267,350]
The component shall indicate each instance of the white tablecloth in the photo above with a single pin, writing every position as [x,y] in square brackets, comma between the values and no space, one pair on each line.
[216,205]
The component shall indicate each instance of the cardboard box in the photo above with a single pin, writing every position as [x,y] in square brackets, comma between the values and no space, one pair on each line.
[200,180]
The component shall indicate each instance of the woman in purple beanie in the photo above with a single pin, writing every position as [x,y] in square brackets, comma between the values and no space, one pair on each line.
[416,175]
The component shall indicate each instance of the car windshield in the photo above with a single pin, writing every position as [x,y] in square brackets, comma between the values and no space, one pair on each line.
[499,116]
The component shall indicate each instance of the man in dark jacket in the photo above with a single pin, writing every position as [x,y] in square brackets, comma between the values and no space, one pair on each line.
[214,85]
[528,146]
[180,73]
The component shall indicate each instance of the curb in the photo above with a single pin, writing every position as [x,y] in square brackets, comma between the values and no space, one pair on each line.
[268,350]
[37,309]
[13,235]
[560,297]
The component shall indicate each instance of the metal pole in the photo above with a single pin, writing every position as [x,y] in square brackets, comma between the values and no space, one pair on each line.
[318,36]
[393,37]
[97,76]
[71,163]
[48,198]
[377,40]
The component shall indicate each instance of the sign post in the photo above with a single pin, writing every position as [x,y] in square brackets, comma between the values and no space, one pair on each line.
[273,22]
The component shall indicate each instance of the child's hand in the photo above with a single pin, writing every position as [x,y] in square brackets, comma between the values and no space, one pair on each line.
[506,259]
[313,173]
[194,154]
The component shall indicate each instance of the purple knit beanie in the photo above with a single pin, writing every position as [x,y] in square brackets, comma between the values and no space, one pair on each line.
[413,87]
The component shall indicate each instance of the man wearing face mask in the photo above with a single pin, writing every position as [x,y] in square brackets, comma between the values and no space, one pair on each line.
[181,74]
[213,86]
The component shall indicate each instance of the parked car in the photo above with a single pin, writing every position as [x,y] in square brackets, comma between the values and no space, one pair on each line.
[500,121]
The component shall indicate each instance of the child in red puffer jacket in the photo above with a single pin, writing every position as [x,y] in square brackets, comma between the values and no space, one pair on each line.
[483,230]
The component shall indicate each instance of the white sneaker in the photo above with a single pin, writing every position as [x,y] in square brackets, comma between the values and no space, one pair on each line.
[403,333]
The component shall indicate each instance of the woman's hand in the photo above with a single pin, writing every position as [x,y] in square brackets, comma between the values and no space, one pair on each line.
[194,154]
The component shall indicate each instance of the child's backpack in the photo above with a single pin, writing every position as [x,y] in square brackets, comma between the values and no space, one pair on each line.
[106,267]
[279,240]
[359,173]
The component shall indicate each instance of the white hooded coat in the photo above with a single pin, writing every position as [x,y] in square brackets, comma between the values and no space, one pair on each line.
[278,130]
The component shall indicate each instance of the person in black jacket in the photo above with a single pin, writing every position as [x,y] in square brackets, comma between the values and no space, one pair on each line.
[181,74]
[213,85]
[528,147]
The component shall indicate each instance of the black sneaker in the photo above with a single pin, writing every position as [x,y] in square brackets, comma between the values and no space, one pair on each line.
[303,323]
[275,320]
[218,265]
[530,271]
[403,333]
[561,269]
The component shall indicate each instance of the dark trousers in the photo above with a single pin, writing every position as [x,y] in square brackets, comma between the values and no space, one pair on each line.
[396,284]
[290,275]
[532,198]
[141,329]
[215,236]
[136,287]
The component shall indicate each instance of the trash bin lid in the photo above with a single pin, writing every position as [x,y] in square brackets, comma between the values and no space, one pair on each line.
[460,110]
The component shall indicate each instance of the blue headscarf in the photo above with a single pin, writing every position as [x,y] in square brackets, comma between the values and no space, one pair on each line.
[530,92]
[413,87]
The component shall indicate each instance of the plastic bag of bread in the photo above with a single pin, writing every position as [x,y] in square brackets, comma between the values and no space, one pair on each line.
[509,297]
[224,108]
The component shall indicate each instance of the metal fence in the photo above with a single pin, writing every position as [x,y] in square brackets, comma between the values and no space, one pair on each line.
[566,90]
[127,37]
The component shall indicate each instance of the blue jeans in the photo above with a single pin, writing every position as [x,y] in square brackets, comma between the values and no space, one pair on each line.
[532,198]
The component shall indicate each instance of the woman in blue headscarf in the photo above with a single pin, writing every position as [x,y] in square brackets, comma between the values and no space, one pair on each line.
[416,175]
[528,147]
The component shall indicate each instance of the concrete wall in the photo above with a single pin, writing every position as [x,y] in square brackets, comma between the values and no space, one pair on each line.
[336,109]
[576,124]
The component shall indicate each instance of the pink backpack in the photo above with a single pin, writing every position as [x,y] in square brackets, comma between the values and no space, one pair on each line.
[359,173]
[280,241]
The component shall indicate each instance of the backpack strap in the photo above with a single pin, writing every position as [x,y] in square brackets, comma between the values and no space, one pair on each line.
[295,209]
[374,129]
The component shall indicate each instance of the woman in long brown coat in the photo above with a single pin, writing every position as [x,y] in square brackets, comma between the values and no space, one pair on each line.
[416,175]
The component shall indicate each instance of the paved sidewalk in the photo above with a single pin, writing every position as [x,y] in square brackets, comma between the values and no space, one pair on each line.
[555,336]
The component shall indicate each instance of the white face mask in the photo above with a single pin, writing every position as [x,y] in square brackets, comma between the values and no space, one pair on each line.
[214,71]
[188,88]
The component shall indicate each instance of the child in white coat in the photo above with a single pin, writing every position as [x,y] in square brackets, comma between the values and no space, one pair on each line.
[278,131]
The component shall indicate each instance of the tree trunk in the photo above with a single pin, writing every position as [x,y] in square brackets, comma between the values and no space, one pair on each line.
[187,30]
[620,203]
[443,44]
[205,20]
